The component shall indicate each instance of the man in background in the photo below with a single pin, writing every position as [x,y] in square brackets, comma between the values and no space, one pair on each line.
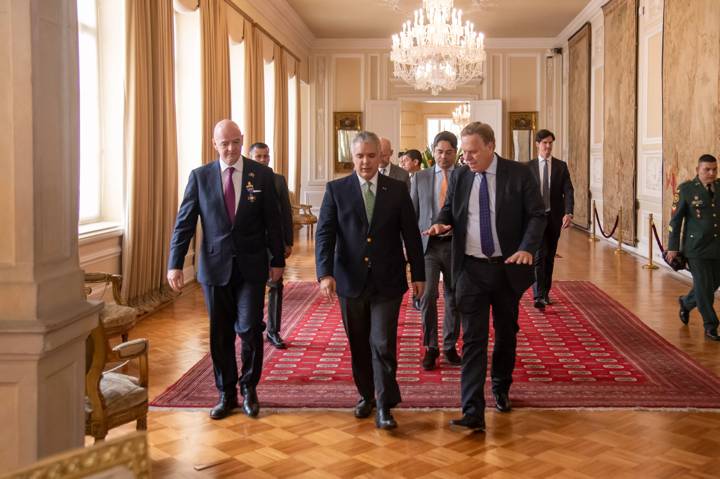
[359,254]
[411,161]
[553,179]
[387,168]
[428,192]
[696,207]
[497,217]
[260,153]
[235,200]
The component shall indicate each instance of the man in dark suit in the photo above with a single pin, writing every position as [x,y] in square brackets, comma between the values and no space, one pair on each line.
[235,200]
[387,168]
[497,217]
[260,152]
[359,254]
[694,220]
[556,189]
[428,191]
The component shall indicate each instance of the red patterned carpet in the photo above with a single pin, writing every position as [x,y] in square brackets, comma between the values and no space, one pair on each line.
[586,350]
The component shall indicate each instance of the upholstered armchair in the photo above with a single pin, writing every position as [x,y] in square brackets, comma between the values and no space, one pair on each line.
[303,215]
[112,398]
[118,318]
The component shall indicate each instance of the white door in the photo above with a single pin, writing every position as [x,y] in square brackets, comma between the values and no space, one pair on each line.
[382,117]
[490,112]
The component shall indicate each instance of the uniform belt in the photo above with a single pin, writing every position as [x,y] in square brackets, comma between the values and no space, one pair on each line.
[492,260]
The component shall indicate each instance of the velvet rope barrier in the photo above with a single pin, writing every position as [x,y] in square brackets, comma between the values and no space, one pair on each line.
[602,232]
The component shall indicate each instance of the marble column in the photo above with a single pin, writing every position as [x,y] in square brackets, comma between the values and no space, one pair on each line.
[44,318]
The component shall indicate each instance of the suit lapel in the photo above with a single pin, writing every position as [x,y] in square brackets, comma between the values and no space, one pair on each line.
[357,199]
[216,190]
[500,182]
[248,178]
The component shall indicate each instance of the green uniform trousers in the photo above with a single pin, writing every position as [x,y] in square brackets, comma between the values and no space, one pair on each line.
[706,280]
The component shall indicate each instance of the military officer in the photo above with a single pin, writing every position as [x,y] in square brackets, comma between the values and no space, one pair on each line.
[697,206]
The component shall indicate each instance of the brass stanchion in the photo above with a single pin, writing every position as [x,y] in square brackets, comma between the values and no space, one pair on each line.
[593,236]
[619,249]
[650,264]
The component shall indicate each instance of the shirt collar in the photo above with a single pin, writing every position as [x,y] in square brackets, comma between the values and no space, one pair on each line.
[224,166]
[492,169]
[373,181]
[439,170]
[542,159]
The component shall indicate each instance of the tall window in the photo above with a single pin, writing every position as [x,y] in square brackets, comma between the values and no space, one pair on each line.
[188,95]
[269,110]
[292,132]
[237,83]
[89,112]
[101,48]
[434,125]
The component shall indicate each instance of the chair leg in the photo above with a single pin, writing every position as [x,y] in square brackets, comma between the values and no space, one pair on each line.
[124,337]
[142,424]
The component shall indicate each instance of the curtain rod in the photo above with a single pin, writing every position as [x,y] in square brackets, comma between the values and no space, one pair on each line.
[255,24]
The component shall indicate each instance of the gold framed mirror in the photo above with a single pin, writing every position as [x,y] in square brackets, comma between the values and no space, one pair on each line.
[347,125]
[522,126]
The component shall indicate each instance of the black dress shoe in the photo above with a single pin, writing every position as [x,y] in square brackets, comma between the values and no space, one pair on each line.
[228,402]
[470,422]
[276,341]
[364,408]
[547,300]
[502,401]
[453,357]
[539,303]
[683,313]
[251,406]
[385,420]
[428,362]
[712,334]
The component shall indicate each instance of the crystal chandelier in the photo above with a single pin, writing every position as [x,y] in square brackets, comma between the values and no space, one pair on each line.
[461,115]
[436,51]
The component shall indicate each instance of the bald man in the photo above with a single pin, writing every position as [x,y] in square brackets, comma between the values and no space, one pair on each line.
[386,167]
[235,200]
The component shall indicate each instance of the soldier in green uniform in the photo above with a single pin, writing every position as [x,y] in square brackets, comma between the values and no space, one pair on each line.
[697,205]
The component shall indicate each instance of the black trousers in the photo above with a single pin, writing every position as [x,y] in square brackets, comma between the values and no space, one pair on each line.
[371,324]
[545,261]
[481,286]
[236,308]
[274,314]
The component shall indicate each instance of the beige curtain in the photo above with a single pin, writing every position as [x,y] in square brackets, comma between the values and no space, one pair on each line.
[298,157]
[254,86]
[691,91]
[579,123]
[216,70]
[280,148]
[620,112]
[151,152]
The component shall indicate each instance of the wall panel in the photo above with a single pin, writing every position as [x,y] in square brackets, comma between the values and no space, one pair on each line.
[579,123]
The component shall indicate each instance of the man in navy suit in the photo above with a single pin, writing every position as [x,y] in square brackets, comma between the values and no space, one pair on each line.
[497,216]
[235,199]
[553,178]
[359,254]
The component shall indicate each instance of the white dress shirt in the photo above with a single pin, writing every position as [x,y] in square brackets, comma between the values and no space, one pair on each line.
[373,184]
[236,178]
[438,184]
[472,243]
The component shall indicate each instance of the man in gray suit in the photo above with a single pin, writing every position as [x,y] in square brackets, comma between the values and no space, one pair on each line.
[428,191]
[260,152]
[387,168]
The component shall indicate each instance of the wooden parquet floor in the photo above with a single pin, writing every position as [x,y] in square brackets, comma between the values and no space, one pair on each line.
[524,443]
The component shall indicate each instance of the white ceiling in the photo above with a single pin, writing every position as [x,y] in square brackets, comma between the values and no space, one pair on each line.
[382,18]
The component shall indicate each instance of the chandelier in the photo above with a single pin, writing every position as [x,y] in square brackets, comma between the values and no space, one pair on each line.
[461,115]
[436,51]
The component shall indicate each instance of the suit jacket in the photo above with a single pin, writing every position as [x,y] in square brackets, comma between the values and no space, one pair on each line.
[394,171]
[519,215]
[422,193]
[256,230]
[355,252]
[698,212]
[281,189]
[562,193]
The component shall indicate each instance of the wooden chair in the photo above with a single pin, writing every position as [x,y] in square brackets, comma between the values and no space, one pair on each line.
[118,318]
[303,216]
[112,398]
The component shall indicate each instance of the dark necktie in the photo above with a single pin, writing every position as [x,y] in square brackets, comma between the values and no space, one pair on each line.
[229,195]
[710,190]
[546,186]
[486,238]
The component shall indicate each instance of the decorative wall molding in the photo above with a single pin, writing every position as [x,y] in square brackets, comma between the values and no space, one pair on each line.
[586,15]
